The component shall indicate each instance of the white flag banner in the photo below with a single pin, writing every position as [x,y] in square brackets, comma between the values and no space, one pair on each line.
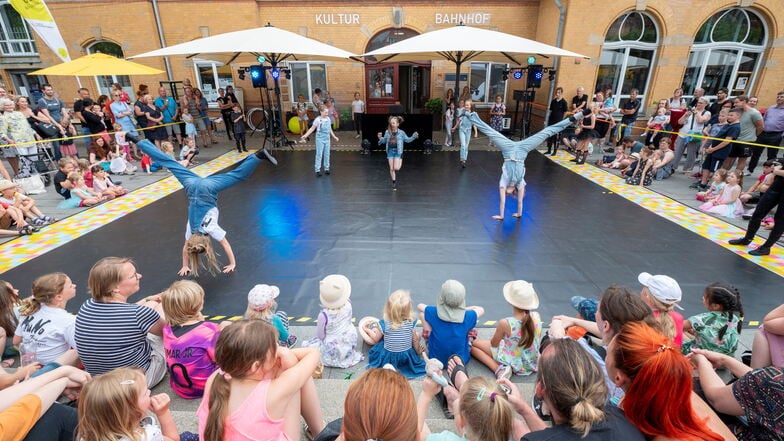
[40,19]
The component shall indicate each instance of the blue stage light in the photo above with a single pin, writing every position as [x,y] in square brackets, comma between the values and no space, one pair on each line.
[518,74]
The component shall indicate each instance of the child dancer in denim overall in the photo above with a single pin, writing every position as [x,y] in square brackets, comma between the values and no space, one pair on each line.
[203,205]
[463,127]
[394,139]
[515,153]
[323,128]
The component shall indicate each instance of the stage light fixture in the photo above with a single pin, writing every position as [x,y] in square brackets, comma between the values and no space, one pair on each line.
[535,74]
[257,76]
[275,73]
[551,76]
[261,59]
[518,74]
[531,59]
[505,74]
[241,74]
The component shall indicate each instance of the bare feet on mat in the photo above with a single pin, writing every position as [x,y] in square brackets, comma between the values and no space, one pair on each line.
[498,217]
[517,215]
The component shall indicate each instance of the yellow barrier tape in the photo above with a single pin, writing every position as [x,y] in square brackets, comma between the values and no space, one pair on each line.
[92,135]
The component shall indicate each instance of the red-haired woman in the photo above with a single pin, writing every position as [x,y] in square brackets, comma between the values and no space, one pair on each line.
[657,380]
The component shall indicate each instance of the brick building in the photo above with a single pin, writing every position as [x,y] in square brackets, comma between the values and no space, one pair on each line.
[655,46]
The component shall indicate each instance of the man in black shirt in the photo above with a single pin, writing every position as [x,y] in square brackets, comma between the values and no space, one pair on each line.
[629,110]
[579,101]
[698,93]
[78,106]
[226,103]
[773,196]
[715,107]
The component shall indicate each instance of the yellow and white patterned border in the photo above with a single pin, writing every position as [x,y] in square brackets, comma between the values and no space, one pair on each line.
[705,225]
[23,249]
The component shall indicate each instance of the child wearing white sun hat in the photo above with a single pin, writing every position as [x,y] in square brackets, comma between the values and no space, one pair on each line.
[336,337]
[262,305]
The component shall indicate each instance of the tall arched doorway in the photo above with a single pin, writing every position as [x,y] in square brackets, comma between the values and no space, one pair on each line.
[407,82]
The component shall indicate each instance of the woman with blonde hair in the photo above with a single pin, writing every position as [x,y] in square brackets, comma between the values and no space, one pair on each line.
[657,380]
[571,386]
[46,324]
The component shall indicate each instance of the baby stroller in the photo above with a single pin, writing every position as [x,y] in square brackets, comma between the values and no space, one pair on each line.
[40,163]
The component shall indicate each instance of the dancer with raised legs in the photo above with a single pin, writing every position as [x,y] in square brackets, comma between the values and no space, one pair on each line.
[515,152]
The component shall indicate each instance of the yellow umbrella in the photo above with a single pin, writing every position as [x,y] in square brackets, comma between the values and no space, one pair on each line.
[98,64]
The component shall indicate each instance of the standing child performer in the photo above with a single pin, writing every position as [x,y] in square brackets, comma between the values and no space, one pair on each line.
[238,121]
[449,120]
[463,127]
[203,205]
[189,340]
[358,109]
[262,306]
[323,128]
[336,336]
[394,139]
[115,405]
[514,348]
[718,329]
[260,389]
[393,338]
[301,107]
[515,153]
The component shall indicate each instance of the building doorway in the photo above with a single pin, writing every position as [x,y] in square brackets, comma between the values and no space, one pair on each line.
[389,83]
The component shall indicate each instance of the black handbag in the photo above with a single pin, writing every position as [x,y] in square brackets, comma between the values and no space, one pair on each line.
[46,130]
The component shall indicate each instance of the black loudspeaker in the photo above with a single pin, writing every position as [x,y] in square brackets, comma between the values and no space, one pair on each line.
[518,95]
[535,74]
[258,76]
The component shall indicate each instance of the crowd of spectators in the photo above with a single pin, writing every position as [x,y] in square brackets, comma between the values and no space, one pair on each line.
[611,371]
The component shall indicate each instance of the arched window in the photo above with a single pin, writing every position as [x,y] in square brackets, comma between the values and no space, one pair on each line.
[15,38]
[727,52]
[627,55]
[105,81]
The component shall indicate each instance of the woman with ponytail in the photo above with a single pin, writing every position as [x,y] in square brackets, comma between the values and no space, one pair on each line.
[718,329]
[260,389]
[657,380]
[46,324]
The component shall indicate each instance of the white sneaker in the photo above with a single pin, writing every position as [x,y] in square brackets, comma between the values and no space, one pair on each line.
[358,136]
[747,173]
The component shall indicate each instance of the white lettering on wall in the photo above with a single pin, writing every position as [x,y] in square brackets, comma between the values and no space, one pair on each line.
[473,18]
[337,19]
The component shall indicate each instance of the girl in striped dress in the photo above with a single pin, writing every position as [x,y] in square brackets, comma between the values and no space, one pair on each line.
[393,338]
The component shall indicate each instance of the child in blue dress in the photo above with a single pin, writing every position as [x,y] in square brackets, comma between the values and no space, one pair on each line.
[393,338]
[323,128]
[394,139]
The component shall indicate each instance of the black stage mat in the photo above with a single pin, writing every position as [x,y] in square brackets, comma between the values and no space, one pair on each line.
[290,229]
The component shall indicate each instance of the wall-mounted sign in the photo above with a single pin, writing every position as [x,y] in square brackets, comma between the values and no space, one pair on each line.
[337,19]
[472,18]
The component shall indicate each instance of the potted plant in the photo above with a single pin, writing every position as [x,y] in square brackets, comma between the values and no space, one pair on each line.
[435,106]
[346,119]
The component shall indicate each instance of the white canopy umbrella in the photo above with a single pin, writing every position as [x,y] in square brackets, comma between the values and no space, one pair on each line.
[274,43]
[461,43]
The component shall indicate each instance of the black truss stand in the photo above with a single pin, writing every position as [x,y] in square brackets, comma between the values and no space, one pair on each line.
[528,99]
[278,117]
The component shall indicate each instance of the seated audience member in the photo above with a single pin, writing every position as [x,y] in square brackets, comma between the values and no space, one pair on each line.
[81,194]
[719,328]
[758,394]
[28,410]
[9,320]
[112,333]
[663,158]
[609,161]
[755,192]
[103,185]
[483,409]
[450,323]
[631,145]
[61,184]
[655,376]
[367,417]
[571,386]
[768,346]
[629,164]
[662,293]
[13,217]
[10,196]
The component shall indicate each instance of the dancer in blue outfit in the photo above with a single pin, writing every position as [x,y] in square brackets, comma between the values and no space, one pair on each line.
[394,139]
[515,152]
[203,206]
[463,128]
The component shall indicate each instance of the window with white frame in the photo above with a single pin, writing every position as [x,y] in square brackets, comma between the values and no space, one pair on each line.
[211,76]
[15,37]
[305,77]
[727,52]
[487,81]
[105,82]
[627,55]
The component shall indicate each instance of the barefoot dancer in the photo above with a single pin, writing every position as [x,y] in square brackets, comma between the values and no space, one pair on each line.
[515,152]
[203,206]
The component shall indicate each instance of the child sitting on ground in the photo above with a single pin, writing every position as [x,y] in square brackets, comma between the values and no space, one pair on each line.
[103,185]
[188,340]
[615,162]
[188,152]
[514,347]
[11,197]
[718,329]
[393,339]
[85,170]
[643,172]
[81,194]
[718,182]
[336,336]
[727,203]
[262,306]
